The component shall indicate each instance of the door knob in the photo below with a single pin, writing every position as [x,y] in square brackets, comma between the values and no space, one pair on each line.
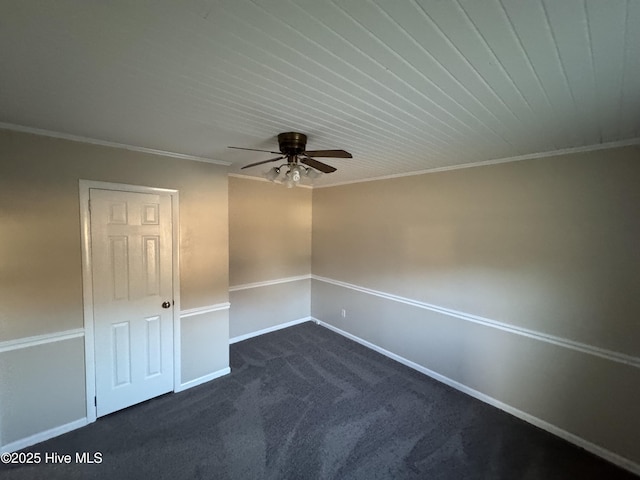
[166,304]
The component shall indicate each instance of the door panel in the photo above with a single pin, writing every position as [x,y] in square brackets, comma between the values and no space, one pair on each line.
[151,264]
[131,255]
[153,347]
[121,357]
[119,259]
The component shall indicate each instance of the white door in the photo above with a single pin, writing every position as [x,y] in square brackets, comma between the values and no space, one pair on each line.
[131,257]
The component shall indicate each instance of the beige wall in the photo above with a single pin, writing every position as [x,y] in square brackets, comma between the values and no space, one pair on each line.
[40,254]
[259,308]
[269,231]
[42,387]
[41,276]
[205,345]
[269,239]
[550,245]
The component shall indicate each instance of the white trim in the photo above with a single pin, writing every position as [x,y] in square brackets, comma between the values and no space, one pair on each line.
[531,156]
[267,283]
[249,177]
[42,436]
[201,310]
[280,326]
[124,187]
[26,342]
[570,437]
[177,327]
[200,380]
[87,300]
[106,143]
[562,342]
[87,284]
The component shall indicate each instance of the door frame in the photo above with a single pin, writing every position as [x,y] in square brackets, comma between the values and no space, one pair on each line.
[87,281]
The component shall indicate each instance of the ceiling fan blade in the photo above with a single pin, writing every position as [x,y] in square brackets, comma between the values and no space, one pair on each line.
[260,163]
[255,150]
[323,167]
[328,153]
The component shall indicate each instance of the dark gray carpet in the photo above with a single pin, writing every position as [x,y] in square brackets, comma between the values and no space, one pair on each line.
[305,403]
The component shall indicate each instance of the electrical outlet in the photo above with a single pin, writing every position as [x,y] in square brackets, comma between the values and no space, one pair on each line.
[343,313]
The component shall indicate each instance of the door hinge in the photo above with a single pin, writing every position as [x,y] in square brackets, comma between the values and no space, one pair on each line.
[89,205]
[95,401]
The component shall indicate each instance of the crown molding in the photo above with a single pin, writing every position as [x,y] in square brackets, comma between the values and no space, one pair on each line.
[106,143]
[531,156]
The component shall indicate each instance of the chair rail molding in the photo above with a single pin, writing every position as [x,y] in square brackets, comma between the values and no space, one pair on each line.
[544,337]
[267,283]
[32,341]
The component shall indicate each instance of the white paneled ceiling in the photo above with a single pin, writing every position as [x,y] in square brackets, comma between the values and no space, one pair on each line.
[404,85]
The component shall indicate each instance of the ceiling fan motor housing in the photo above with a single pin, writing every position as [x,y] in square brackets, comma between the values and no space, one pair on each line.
[292,143]
[293,147]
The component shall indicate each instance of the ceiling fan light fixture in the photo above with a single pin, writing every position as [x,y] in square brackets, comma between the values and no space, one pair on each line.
[289,183]
[300,162]
[272,174]
[293,176]
[296,173]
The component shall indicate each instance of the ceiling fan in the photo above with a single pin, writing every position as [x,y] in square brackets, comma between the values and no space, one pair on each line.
[299,161]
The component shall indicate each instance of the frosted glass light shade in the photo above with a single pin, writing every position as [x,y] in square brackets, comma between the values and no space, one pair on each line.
[272,174]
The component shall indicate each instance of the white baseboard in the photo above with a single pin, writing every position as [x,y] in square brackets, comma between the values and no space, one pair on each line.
[570,437]
[280,326]
[200,380]
[42,436]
